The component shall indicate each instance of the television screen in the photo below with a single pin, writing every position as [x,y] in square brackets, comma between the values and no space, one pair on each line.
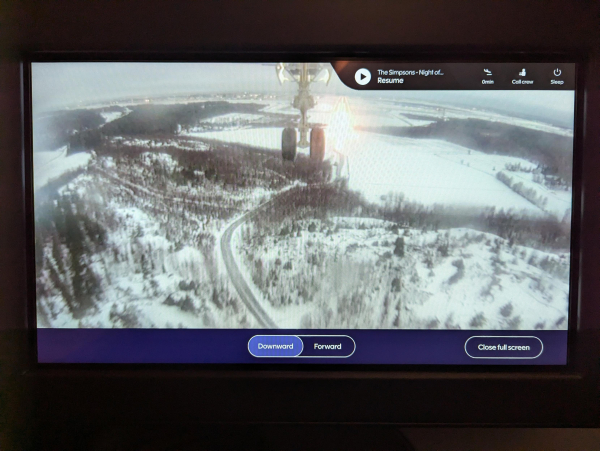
[339,212]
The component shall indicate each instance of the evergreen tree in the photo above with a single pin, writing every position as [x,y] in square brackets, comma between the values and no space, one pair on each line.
[399,247]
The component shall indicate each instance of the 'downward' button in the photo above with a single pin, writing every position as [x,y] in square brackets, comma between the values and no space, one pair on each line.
[275,346]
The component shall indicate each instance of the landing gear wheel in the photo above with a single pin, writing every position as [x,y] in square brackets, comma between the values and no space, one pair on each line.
[317,144]
[288,144]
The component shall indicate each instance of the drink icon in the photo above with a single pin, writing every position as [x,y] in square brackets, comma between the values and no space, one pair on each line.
[522,73]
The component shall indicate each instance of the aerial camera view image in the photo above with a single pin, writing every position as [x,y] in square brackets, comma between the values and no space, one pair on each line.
[255,195]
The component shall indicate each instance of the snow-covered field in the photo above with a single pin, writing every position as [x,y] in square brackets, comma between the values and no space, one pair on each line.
[156,144]
[439,111]
[48,166]
[429,172]
[392,112]
[110,116]
[234,118]
[425,171]
[557,202]
[372,112]
[262,138]
[367,113]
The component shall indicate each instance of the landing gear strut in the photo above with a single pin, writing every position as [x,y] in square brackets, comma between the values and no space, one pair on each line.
[304,74]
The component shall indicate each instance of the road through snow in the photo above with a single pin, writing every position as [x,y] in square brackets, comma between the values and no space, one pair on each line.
[236,276]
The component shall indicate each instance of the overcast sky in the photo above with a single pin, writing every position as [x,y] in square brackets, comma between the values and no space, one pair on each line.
[60,85]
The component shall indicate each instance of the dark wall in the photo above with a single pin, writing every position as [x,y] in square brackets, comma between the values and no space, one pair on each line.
[195,25]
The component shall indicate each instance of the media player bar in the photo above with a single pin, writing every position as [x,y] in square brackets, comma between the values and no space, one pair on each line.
[384,75]
[263,346]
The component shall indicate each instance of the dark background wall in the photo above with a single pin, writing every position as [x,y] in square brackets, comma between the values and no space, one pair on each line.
[230,25]
[195,25]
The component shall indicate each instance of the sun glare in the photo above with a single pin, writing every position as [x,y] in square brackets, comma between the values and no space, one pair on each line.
[341,127]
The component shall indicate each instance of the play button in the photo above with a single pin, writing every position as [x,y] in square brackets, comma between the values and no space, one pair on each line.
[362,77]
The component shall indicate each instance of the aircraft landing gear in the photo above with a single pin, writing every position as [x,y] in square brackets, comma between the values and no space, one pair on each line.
[288,144]
[304,74]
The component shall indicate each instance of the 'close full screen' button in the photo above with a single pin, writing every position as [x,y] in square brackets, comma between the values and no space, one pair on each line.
[498,347]
[275,346]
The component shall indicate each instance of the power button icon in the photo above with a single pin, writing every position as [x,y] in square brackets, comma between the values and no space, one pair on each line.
[557,72]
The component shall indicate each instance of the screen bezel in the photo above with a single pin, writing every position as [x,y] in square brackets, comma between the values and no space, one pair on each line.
[322,56]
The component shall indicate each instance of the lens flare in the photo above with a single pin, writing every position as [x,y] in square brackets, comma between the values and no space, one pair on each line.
[341,127]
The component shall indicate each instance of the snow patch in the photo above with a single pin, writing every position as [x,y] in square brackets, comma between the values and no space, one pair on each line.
[48,166]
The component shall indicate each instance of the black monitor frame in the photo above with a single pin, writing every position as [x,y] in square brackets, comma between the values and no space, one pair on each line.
[408,395]
[319,56]
[50,405]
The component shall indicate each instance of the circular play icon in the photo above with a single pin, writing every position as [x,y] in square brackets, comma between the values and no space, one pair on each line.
[362,76]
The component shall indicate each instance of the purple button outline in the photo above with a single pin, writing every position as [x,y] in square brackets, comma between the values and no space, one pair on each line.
[505,336]
[327,356]
[275,356]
